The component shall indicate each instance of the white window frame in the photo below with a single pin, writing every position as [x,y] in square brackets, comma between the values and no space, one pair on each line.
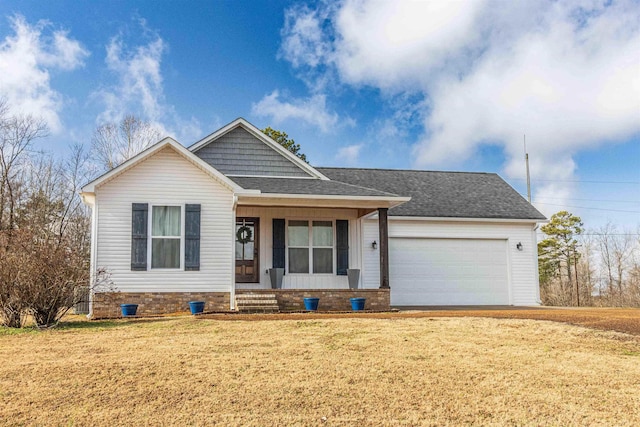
[150,238]
[311,247]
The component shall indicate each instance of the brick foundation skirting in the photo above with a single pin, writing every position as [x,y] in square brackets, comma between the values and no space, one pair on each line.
[330,299]
[107,305]
[149,303]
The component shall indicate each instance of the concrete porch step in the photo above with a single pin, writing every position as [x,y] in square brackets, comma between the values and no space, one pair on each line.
[255,296]
[256,303]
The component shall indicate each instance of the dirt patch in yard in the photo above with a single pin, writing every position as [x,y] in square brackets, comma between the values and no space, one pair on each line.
[625,320]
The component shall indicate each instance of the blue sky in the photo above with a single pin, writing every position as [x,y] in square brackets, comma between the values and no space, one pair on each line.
[425,85]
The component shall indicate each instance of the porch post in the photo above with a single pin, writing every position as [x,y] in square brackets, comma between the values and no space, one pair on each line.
[384,247]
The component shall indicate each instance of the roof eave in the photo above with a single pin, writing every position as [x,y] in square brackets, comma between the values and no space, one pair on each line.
[320,200]
[466,219]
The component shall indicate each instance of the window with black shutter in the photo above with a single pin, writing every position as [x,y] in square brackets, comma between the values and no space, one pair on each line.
[139,224]
[192,237]
[342,247]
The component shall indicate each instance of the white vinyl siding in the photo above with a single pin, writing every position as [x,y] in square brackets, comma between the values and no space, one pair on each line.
[166,179]
[522,265]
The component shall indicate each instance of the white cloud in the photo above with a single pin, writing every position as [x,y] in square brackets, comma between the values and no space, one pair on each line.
[393,45]
[139,79]
[26,59]
[139,87]
[349,155]
[311,110]
[305,42]
[566,73]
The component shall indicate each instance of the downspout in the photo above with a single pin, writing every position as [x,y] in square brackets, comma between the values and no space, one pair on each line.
[91,202]
[535,262]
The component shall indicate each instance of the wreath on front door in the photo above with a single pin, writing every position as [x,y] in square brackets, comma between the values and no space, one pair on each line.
[244,234]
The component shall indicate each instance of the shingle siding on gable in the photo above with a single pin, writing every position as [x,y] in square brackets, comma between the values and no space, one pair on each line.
[240,153]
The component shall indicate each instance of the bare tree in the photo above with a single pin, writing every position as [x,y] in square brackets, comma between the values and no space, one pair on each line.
[604,262]
[44,228]
[113,143]
[17,135]
[585,270]
[616,251]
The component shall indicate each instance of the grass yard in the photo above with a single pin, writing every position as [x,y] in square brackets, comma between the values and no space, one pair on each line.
[343,371]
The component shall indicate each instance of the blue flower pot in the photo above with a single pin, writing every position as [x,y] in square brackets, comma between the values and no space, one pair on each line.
[357,304]
[311,304]
[196,306]
[129,309]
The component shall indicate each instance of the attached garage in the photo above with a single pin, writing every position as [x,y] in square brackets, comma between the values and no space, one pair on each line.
[427,271]
[463,238]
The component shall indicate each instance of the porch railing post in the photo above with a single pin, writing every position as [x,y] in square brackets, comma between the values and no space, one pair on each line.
[384,247]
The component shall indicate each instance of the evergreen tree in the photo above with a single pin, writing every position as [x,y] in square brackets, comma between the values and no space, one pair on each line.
[283,139]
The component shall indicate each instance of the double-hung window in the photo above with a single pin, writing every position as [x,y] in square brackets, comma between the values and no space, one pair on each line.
[166,236]
[310,246]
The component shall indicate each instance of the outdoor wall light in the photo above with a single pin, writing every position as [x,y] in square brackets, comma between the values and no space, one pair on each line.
[374,245]
[519,246]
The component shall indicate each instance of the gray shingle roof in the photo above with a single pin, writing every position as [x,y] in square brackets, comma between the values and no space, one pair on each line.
[306,186]
[442,194]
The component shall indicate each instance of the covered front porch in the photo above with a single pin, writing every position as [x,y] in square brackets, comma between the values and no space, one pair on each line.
[312,241]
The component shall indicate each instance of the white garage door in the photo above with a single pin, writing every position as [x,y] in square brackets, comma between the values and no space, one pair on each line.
[448,272]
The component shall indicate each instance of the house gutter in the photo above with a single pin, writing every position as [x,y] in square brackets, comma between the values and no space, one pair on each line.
[458,219]
[315,200]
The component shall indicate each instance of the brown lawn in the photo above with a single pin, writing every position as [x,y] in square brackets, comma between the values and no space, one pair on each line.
[399,370]
[625,320]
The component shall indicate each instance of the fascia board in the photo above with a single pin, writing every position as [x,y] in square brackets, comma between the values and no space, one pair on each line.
[266,199]
[456,219]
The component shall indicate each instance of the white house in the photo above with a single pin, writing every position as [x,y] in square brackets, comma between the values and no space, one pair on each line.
[208,223]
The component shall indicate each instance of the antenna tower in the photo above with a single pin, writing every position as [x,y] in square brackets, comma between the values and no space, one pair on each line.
[526,160]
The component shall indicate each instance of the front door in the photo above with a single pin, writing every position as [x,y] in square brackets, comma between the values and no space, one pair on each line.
[247,250]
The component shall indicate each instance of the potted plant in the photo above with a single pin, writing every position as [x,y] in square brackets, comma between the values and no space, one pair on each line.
[357,304]
[311,304]
[128,309]
[196,307]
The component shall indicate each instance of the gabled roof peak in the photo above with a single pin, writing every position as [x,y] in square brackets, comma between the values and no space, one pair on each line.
[164,143]
[261,137]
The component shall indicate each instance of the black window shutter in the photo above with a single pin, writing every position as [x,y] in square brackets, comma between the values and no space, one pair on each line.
[139,223]
[342,247]
[278,243]
[192,237]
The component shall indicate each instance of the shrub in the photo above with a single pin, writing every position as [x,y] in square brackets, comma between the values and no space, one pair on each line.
[41,276]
